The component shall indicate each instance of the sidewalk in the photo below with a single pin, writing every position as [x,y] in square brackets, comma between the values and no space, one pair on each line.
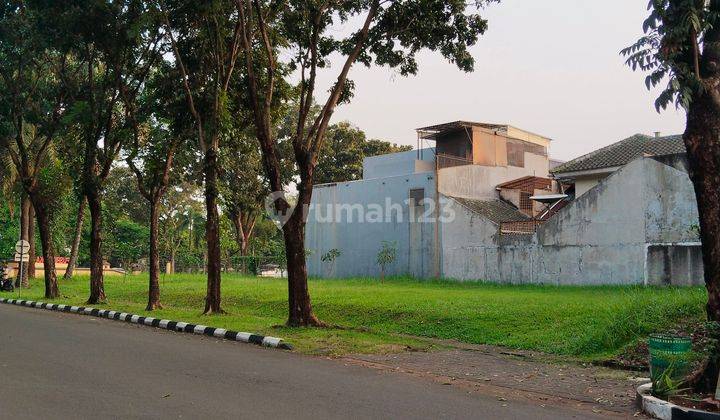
[513,375]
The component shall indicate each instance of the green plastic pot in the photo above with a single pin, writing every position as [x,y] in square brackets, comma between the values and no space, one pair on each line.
[669,354]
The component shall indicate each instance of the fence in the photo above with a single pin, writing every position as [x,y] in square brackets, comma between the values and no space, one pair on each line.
[448,161]
[264,265]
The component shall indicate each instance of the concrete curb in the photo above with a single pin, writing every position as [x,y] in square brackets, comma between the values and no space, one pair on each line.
[664,410]
[156,322]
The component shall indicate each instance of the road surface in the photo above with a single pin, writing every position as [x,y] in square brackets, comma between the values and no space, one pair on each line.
[56,365]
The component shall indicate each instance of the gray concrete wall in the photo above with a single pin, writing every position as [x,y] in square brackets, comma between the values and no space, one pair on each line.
[360,240]
[480,182]
[396,164]
[632,228]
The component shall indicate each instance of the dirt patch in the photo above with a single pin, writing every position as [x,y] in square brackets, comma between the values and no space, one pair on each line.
[637,355]
[699,402]
[519,375]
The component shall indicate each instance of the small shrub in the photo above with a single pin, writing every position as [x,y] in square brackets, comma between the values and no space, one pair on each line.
[330,257]
[386,256]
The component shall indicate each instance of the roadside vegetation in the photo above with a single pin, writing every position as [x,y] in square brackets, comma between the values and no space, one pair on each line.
[590,323]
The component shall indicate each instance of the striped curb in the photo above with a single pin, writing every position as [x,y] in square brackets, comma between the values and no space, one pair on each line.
[156,322]
[665,410]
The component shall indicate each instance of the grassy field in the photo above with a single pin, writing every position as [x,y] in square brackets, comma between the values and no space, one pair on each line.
[584,322]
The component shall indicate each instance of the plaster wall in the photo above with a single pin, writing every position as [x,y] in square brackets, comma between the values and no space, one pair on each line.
[386,216]
[635,227]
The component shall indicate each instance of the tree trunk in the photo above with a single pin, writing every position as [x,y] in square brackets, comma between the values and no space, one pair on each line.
[97,286]
[22,276]
[172,262]
[241,238]
[236,220]
[76,240]
[154,285]
[702,140]
[300,307]
[212,234]
[51,285]
[31,238]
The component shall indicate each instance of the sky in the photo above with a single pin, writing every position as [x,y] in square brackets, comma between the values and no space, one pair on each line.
[550,67]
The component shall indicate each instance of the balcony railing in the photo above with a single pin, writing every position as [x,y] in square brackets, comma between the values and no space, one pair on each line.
[448,161]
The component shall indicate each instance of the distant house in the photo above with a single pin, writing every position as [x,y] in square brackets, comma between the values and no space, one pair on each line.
[481,205]
[588,170]
[402,195]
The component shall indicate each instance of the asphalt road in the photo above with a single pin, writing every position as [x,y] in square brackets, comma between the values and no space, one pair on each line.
[55,365]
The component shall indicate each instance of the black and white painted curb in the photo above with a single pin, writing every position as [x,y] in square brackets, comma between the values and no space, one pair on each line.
[156,322]
[664,410]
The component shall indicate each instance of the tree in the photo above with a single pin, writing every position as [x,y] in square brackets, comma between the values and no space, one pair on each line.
[204,40]
[31,118]
[116,44]
[681,47]
[330,257]
[180,209]
[242,187]
[77,236]
[386,256]
[150,157]
[345,147]
[130,245]
[390,35]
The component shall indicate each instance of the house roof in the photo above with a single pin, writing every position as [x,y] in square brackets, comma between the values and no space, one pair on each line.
[496,211]
[432,131]
[623,152]
[529,183]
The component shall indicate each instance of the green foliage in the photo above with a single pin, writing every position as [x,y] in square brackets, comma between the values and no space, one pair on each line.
[668,384]
[130,242]
[331,255]
[345,147]
[386,255]
[670,51]
[9,231]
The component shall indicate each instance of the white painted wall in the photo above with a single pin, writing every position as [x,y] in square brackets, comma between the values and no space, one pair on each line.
[480,182]
[586,182]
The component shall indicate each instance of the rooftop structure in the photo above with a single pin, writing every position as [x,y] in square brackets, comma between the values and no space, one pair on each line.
[464,142]
[588,170]
[612,157]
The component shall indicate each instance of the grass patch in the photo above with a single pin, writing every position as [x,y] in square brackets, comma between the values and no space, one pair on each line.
[585,322]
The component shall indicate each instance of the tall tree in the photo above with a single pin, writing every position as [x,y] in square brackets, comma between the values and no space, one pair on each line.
[242,186]
[116,43]
[390,34]
[180,209]
[32,253]
[151,157]
[205,41]
[77,236]
[681,47]
[34,101]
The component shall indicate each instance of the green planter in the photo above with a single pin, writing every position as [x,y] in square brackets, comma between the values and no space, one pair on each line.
[669,355]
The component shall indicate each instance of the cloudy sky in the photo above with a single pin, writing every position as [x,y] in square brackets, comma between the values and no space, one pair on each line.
[551,67]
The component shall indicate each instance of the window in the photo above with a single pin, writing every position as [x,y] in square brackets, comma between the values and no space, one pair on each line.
[417,195]
[526,204]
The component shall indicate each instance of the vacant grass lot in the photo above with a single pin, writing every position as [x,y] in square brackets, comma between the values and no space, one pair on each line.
[586,322]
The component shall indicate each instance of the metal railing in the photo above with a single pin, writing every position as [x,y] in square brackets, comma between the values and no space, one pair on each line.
[448,161]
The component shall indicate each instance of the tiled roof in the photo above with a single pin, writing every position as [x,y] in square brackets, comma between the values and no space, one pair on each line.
[495,210]
[623,152]
[528,183]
